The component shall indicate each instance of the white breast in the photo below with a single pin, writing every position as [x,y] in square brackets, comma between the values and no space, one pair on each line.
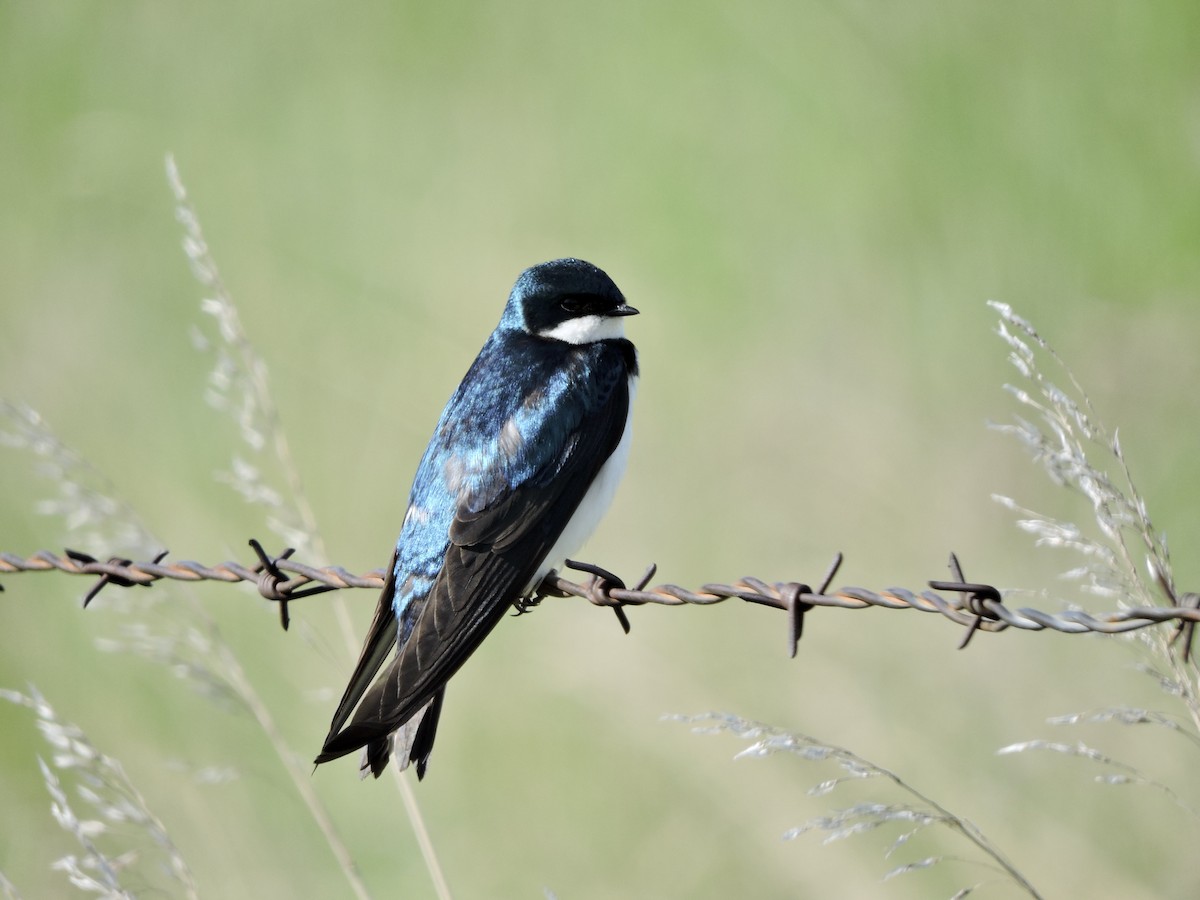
[595,502]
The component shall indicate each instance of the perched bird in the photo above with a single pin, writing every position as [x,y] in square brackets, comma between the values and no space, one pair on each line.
[522,465]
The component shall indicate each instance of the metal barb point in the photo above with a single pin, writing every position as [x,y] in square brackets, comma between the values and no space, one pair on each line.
[975,601]
[831,572]
[646,576]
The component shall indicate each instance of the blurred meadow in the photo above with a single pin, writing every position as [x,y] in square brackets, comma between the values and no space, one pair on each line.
[810,203]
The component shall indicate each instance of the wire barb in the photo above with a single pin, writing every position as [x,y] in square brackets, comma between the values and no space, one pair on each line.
[603,581]
[978,599]
[109,577]
[1185,629]
[975,606]
[273,586]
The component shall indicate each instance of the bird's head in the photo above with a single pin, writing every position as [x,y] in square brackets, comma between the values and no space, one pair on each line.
[567,300]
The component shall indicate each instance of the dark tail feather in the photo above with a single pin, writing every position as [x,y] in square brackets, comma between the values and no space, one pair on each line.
[412,742]
[422,744]
[375,757]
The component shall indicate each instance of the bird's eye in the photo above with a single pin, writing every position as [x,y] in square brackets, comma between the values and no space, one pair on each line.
[572,304]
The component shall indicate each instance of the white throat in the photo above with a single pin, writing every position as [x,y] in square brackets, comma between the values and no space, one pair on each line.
[586,329]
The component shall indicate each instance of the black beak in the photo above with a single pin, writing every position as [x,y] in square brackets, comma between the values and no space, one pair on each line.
[623,310]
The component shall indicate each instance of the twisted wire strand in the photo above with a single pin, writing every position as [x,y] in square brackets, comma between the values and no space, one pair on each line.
[978,607]
[146,573]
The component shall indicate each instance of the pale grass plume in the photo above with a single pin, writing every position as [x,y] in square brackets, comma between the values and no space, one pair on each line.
[239,387]
[1120,555]
[166,625]
[149,623]
[188,644]
[95,519]
[119,835]
[1128,715]
[1126,557]
[1119,773]
[907,817]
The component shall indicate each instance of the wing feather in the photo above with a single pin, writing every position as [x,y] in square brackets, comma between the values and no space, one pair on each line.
[380,641]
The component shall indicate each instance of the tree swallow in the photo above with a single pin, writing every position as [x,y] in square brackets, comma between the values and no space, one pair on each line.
[522,465]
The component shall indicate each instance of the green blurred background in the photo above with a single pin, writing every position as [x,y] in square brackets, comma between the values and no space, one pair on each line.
[810,203]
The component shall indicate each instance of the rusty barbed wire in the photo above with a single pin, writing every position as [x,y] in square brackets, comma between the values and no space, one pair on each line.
[975,606]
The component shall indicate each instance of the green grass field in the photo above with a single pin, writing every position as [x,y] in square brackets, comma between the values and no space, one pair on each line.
[810,203]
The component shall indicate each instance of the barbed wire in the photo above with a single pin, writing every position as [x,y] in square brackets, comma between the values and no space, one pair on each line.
[976,606]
